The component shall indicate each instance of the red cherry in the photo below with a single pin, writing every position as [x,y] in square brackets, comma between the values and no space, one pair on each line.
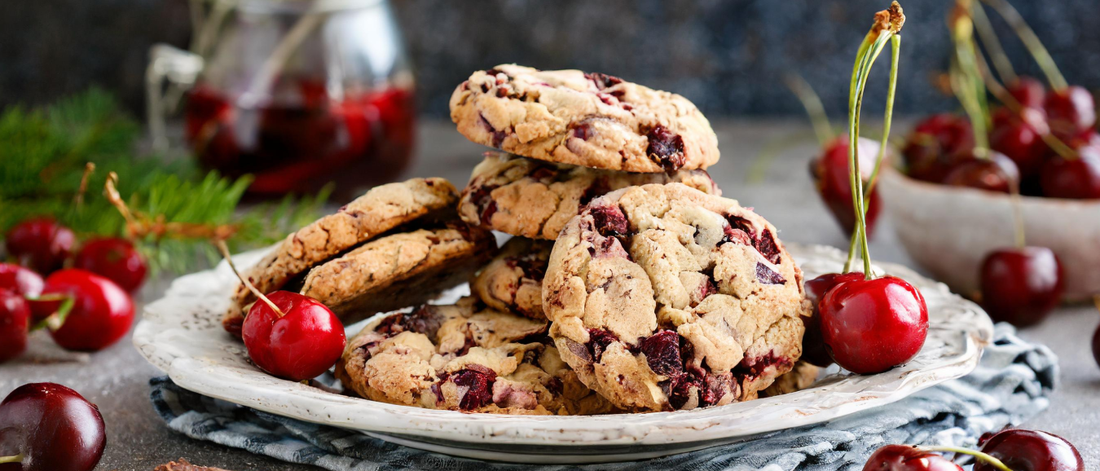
[1021,285]
[15,317]
[115,259]
[20,280]
[1020,138]
[53,427]
[1076,178]
[907,458]
[813,344]
[873,325]
[1096,346]
[830,173]
[299,345]
[40,244]
[101,314]
[932,146]
[1028,91]
[1030,450]
[1070,111]
[994,173]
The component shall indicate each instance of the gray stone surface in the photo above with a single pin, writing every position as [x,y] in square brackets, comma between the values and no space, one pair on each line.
[116,379]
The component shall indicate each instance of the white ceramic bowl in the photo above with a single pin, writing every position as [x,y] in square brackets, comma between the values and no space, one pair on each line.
[949,230]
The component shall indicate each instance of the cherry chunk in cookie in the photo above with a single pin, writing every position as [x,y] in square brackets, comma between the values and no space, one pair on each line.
[662,297]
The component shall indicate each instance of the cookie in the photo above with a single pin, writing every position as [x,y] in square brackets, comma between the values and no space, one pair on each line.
[512,282]
[532,198]
[662,297]
[381,209]
[592,120]
[467,358]
[400,269]
[800,377]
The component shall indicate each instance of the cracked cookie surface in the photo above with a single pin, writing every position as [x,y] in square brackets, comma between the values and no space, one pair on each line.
[512,281]
[662,297]
[381,209]
[533,198]
[464,357]
[592,120]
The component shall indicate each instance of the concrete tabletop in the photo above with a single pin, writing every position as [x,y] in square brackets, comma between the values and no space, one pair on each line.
[116,379]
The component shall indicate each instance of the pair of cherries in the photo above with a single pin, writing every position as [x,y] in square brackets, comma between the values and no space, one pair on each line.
[1015,449]
[44,245]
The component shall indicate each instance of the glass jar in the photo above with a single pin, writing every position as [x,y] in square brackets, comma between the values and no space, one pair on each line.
[300,93]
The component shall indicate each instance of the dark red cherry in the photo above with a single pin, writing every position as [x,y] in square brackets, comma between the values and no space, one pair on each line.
[115,259]
[830,174]
[1028,92]
[1096,346]
[20,280]
[1021,285]
[1030,450]
[41,244]
[101,313]
[1074,178]
[15,318]
[1070,111]
[813,345]
[53,427]
[1020,138]
[299,345]
[907,458]
[995,172]
[932,147]
[870,326]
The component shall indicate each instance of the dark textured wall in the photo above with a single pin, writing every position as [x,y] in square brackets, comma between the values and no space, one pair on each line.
[727,56]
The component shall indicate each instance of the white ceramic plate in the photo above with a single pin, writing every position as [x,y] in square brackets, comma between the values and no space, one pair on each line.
[181,334]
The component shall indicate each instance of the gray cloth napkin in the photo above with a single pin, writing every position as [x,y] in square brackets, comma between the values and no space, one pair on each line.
[1012,383]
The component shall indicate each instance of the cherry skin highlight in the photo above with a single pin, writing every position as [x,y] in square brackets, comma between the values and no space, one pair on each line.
[932,148]
[20,280]
[300,345]
[1021,286]
[871,326]
[995,173]
[1077,178]
[53,427]
[814,350]
[15,317]
[907,458]
[41,244]
[102,313]
[1030,450]
[1070,111]
[831,177]
[115,259]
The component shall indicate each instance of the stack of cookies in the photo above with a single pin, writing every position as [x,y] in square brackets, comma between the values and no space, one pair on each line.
[629,283]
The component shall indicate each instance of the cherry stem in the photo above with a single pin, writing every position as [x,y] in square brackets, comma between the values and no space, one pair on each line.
[139,225]
[996,463]
[1031,42]
[89,168]
[887,24]
[818,118]
[224,250]
[965,78]
[992,44]
[11,459]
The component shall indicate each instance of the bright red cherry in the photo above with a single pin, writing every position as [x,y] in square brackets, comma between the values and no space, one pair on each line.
[53,427]
[1028,91]
[15,317]
[1030,450]
[20,280]
[1021,285]
[933,145]
[115,259]
[907,458]
[1070,111]
[101,314]
[41,244]
[301,342]
[1020,138]
[1075,178]
[873,325]
[813,345]
[830,174]
[993,173]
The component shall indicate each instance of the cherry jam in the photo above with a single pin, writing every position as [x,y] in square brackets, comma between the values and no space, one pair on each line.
[354,142]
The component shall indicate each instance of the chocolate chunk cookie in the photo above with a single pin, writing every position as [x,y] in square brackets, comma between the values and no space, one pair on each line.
[800,377]
[593,120]
[532,198]
[662,297]
[467,358]
[512,282]
[380,210]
